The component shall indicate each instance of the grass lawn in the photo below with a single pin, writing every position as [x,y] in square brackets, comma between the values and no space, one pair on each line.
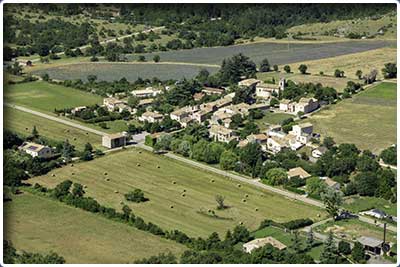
[43,96]
[23,122]
[357,204]
[189,212]
[272,118]
[368,119]
[38,224]
[353,228]
[350,63]
[338,83]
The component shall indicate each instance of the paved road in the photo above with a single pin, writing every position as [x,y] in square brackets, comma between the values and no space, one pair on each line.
[57,119]
[110,40]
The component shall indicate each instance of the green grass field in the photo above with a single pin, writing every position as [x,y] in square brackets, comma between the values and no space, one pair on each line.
[38,224]
[43,96]
[353,229]
[367,120]
[22,123]
[357,204]
[272,118]
[189,212]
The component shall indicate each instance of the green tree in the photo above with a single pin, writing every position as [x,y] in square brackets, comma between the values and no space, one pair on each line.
[310,239]
[344,247]
[156,58]
[332,200]
[296,245]
[276,176]
[228,160]
[390,71]
[77,190]
[274,102]
[35,132]
[264,65]
[328,142]
[359,74]
[389,155]
[91,78]
[358,253]
[303,69]
[88,147]
[339,73]
[136,195]
[275,67]
[142,58]
[133,101]
[220,202]
[287,69]
[126,210]
[67,151]
[329,251]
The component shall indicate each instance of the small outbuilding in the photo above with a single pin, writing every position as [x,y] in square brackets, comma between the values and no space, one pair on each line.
[260,242]
[371,244]
[298,171]
[114,140]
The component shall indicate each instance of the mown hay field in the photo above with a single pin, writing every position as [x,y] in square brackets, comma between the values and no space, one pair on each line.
[39,224]
[23,122]
[368,119]
[45,97]
[181,196]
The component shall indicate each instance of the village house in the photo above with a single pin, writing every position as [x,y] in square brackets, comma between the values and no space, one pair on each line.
[146,93]
[260,242]
[222,134]
[114,140]
[249,83]
[184,112]
[266,90]
[151,117]
[276,144]
[260,139]
[303,132]
[319,151]
[198,96]
[306,105]
[331,183]
[212,91]
[36,150]
[112,103]
[201,115]
[299,172]
[286,105]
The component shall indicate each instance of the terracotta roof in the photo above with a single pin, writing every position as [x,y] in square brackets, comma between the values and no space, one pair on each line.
[248,82]
[260,242]
[298,171]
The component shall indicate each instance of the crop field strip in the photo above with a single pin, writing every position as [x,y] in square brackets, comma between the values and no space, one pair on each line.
[368,119]
[180,195]
[39,224]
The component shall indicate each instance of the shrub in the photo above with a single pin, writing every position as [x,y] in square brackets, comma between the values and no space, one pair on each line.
[296,224]
[136,196]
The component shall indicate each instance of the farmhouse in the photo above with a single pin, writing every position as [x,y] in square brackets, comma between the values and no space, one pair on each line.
[146,93]
[151,117]
[260,242]
[112,103]
[36,150]
[249,83]
[371,244]
[319,151]
[114,140]
[222,134]
[213,91]
[298,171]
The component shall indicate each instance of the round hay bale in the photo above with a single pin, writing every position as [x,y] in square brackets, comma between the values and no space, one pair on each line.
[72,173]
[241,223]
[107,179]
[256,209]
[173,182]
[74,138]
[209,210]
[183,195]
[171,207]
[87,133]
[243,200]
[318,215]
[212,181]
[53,175]
[140,152]
[184,190]
[239,185]
[247,195]
[116,192]
[26,129]
[105,173]
[138,164]
[158,167]
[72,165]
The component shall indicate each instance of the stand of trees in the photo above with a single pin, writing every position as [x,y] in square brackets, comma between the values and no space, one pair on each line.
[11,256]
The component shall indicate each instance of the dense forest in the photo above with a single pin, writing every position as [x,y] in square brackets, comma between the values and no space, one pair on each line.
[196,25]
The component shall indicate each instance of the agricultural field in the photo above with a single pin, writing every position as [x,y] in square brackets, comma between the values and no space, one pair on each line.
[364,61]
[23,122]
[277,53]
[180,196]
[131,71]
[357,204]
[38,224]
[368,119]
[351,229]
[338,83]
[45,97]
[369,26]
[271,118]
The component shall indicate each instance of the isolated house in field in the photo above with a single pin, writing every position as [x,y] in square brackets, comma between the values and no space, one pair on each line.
[298,171]
[114,140]
[146,93]
[151,117]
[260,242]
[36,150]
[306,105]
[222,134]
[249,83]
[319,151]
